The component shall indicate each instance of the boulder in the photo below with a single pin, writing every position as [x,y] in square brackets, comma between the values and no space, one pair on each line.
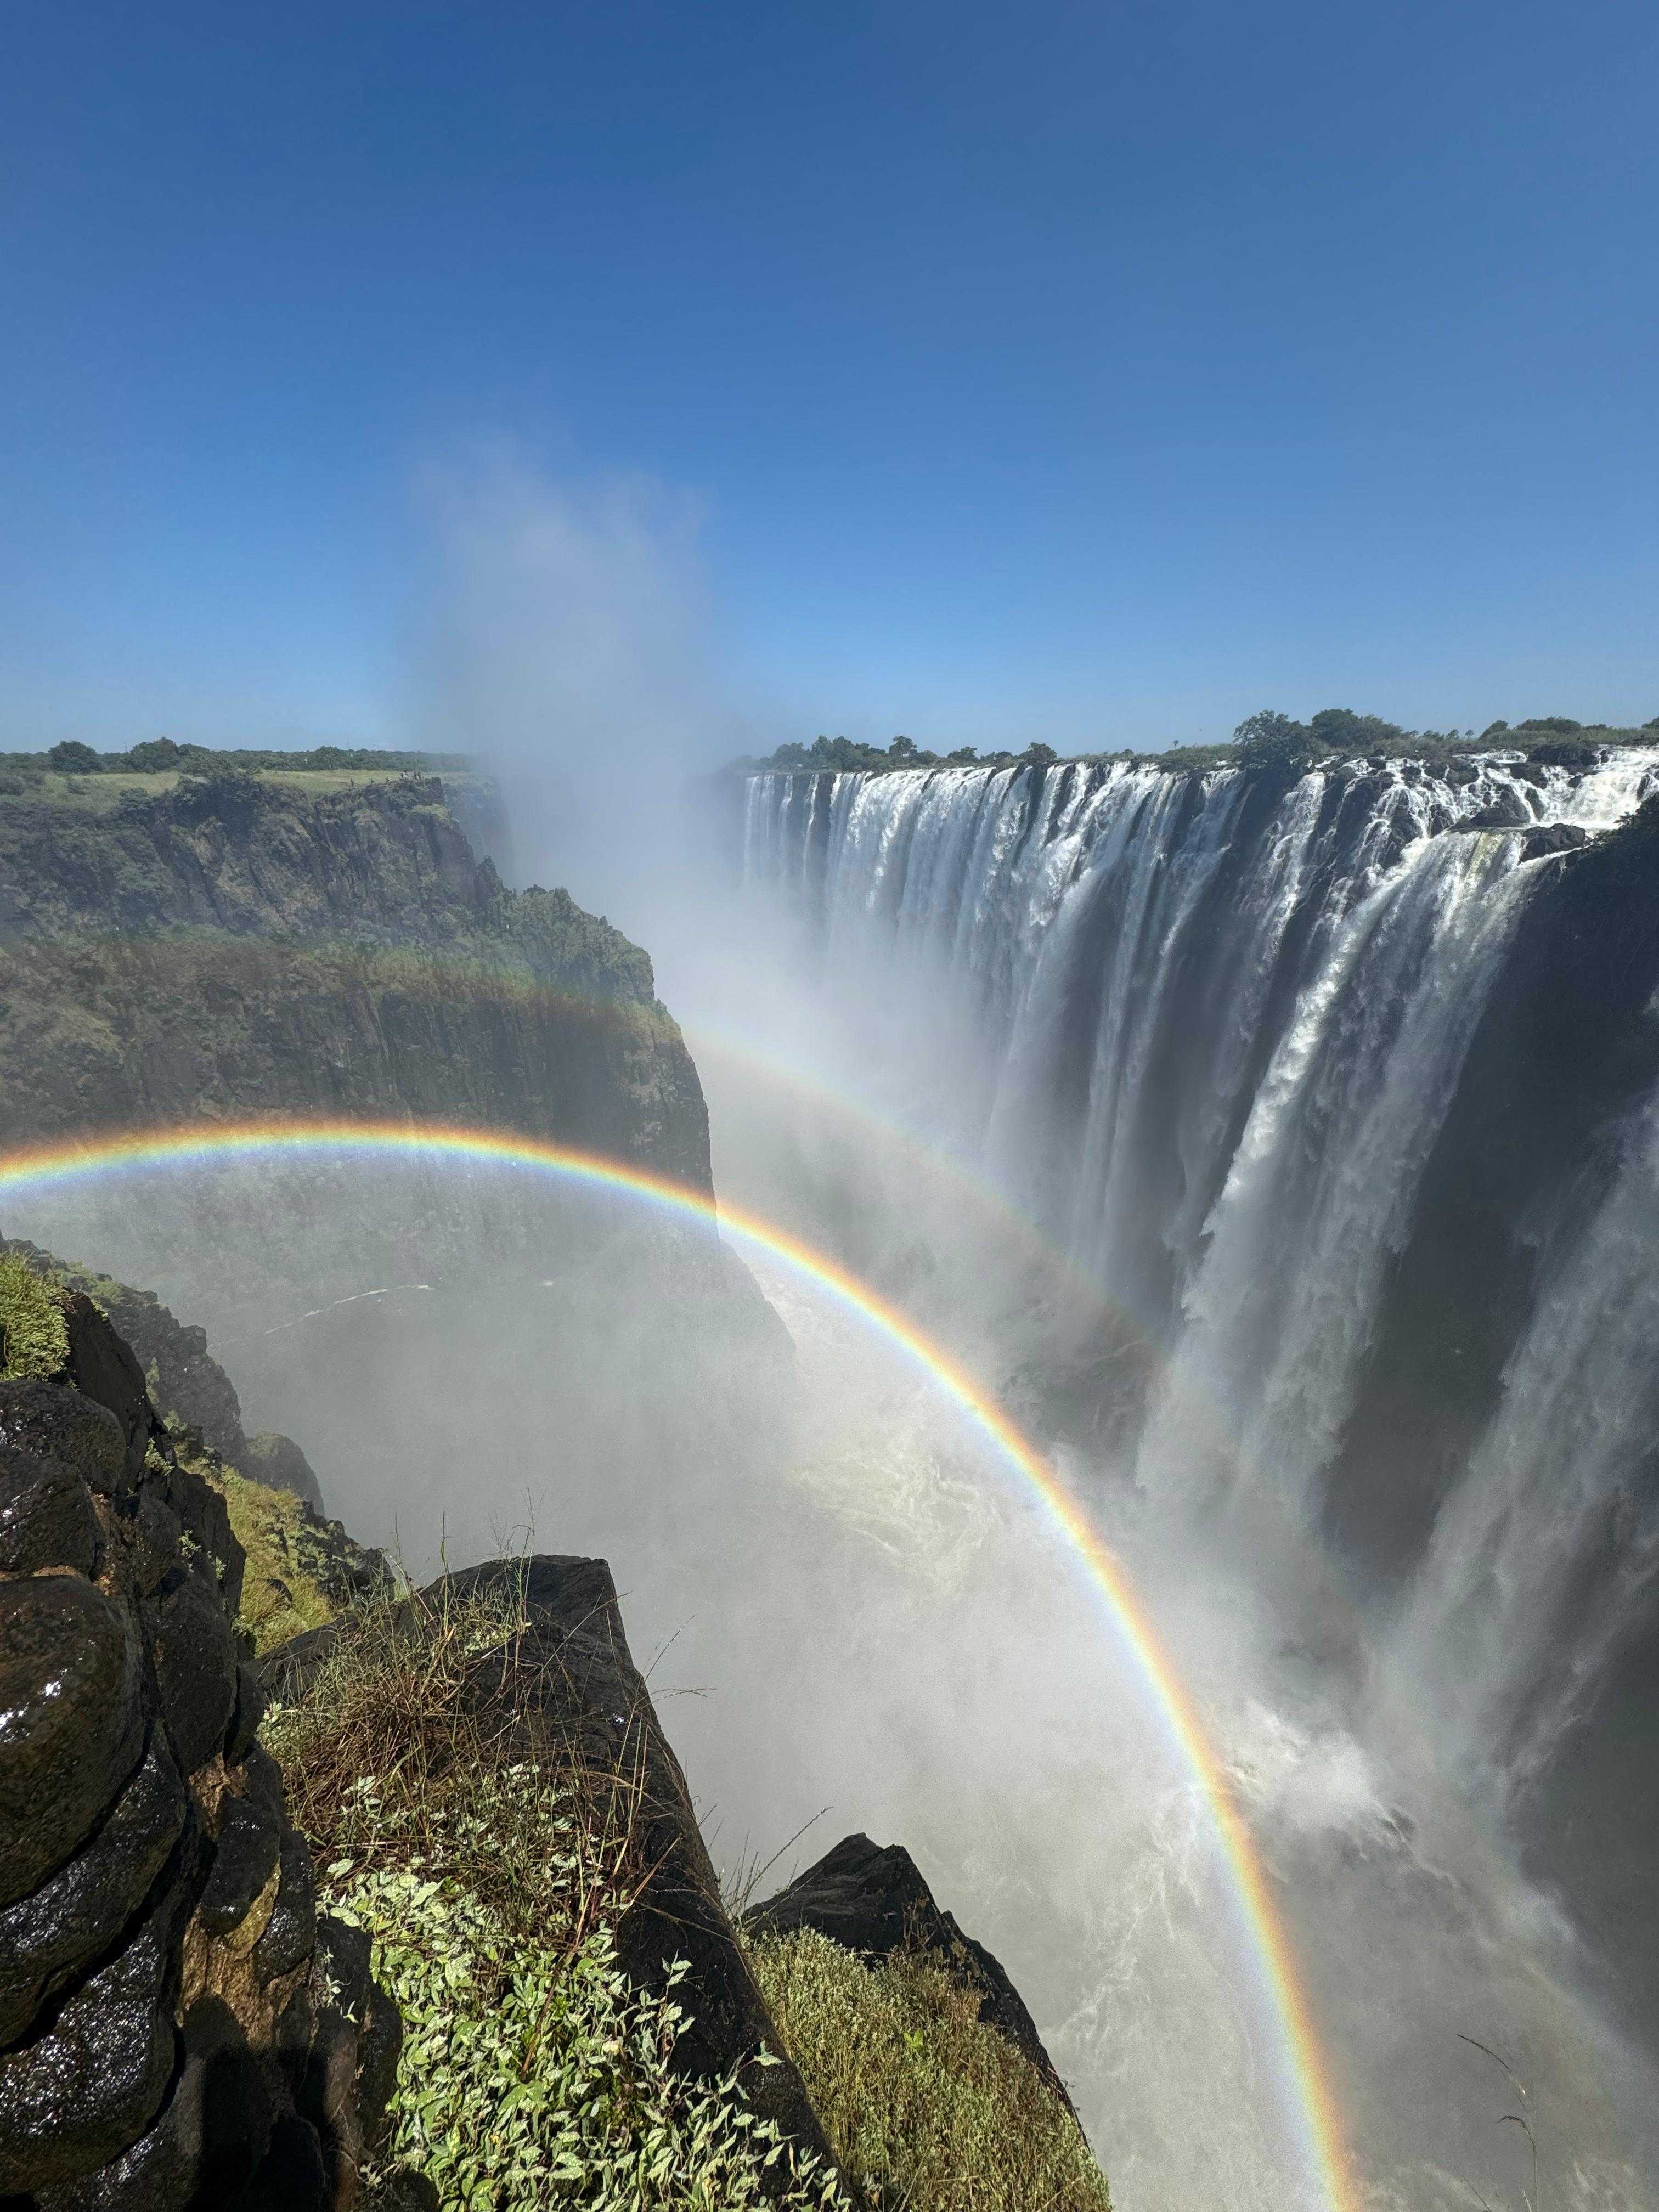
[1551,838]
[47,1516]
[71,1722]
[874,1901]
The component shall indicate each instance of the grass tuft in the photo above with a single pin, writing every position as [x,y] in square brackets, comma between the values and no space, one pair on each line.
[928,2109]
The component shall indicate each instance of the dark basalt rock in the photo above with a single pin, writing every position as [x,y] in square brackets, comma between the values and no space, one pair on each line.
[1565,752]
[79,1913]
[244,1859]
[291,1934]
[1551,838]
[53,1423]
[874,1901]
[47,1516]
[169,2040]
[103,1368]
[195,1666]
[76,2095]
[71,1725]
[1507,811]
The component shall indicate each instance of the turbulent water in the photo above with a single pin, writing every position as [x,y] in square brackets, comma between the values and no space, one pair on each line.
[1207,1031]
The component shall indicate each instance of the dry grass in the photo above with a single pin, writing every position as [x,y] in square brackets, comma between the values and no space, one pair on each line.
[929,2109]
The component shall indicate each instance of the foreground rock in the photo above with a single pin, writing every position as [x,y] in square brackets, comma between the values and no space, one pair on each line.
[873,1901]
[179,2026]
[574,1680]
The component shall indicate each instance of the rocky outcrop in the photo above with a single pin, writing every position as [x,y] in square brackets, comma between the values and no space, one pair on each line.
[874,1901]
[179,2026]
[278,1462]
[190,1388]
[573,1681]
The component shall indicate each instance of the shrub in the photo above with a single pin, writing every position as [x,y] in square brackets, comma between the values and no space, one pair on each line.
[1273,742]
[491,1886]
[33,1333]
[929,2109]
[72,757]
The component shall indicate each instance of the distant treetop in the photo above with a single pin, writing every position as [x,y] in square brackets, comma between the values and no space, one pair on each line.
[72,757]
[1267,742]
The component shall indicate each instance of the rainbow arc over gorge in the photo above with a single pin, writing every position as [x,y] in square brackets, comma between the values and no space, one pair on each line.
[1312,2108]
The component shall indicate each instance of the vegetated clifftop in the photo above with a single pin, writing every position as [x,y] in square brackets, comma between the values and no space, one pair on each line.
[236,945]
[178,2025]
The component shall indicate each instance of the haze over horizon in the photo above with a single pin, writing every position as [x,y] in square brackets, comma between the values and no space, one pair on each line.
[1098,378]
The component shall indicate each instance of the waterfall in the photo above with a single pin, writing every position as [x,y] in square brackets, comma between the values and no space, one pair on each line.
[1222,1022]
[1543,1560]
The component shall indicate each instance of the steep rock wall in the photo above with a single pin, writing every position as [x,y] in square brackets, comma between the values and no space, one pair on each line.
[178,2024]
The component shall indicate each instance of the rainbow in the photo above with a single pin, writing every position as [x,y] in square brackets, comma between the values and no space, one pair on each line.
[1312,2108]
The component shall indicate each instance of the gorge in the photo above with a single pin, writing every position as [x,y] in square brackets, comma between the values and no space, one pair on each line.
[1277,1151]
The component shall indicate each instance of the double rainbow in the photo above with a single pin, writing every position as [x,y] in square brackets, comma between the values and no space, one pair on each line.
[1312,2105]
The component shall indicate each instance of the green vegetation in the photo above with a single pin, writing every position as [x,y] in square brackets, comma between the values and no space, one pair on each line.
[1268,742]
[34,1335]
[491,1885]
[929,2109]
[282,1595]
[155,755]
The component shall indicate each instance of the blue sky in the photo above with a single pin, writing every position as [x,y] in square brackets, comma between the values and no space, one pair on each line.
[1095,372]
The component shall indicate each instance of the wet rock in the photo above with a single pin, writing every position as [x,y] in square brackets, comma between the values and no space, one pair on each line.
[196,1664]
[76,2095]
[71,1725]
[250,1712]
[244,1860]
[874,1901]
[291,1934]
[160,2041]
[55,1423]
[1507,811]
[74,1918]
[102,1368]
[1551,838]
[288,1672]
[47,1516]
[206,1520]
[156,1531]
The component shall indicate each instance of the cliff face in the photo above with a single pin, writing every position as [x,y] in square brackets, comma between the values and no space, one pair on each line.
[178,2025]
[235,946]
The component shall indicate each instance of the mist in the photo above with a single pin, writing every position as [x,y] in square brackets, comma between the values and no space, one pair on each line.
[564,632]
